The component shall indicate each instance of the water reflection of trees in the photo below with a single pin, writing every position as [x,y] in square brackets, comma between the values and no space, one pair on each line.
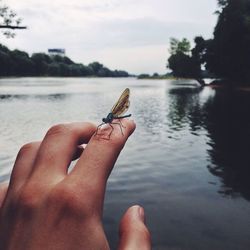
[185,108]
[226,118]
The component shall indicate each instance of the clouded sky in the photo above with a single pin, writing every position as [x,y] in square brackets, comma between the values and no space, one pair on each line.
[121,34]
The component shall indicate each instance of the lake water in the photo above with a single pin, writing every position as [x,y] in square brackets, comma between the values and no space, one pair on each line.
[187,164]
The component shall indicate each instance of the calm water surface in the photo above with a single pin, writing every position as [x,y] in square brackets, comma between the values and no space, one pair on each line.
[188,162]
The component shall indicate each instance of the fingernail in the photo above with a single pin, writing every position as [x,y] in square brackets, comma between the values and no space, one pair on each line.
[141,213]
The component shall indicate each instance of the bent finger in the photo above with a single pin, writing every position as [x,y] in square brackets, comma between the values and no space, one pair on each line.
[94,166]
[60,146]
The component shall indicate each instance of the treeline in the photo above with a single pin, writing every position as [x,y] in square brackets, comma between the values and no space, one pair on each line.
[155,76]
[19,63]
[226,56]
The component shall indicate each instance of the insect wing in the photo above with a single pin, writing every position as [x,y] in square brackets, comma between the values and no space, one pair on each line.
[122,104]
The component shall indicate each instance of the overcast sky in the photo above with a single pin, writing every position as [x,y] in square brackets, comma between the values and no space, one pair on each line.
[121,34]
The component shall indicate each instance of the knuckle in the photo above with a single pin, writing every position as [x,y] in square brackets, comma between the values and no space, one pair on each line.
[61,195]
[90,126]
[29,199]
[67,199]
[58,130]
[117,141]
[27,148]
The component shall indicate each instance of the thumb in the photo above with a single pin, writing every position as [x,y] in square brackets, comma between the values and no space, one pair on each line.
[134,234]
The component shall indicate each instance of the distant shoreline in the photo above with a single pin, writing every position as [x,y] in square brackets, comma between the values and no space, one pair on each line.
[105,77]
[163,78]
[212,84]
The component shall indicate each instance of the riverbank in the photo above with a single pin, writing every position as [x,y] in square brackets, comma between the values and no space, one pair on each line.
[159,77]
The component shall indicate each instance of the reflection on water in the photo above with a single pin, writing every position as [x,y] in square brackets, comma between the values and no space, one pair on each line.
[225,115]
[184,104]
[52,96]
[188,162]
[228,124]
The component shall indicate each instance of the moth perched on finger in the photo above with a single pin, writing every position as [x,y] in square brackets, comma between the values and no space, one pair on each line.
[117,112]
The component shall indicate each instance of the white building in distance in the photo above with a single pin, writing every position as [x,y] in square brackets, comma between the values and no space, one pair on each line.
[56,52]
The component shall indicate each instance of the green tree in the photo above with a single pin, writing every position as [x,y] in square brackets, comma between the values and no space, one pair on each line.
[9,20]
[183,66]
[22,64]
[95,67]
[181,62]
[54,69]
[120,73]
[86,70]
[41,62]
[19,63]
[177,46]
[105,72]
[5,61]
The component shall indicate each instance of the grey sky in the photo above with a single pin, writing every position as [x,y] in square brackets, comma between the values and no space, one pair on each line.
[124,34]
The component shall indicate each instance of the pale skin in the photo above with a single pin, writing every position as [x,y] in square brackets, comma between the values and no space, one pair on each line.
[46,207]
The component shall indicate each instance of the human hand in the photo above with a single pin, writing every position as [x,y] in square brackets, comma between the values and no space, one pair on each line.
[46,207]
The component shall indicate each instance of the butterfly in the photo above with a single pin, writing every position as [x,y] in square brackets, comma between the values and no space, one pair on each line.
[116,113]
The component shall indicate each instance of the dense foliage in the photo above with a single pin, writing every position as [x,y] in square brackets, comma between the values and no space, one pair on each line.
[19,63]
[181,61]
[227,55]
[229,52]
